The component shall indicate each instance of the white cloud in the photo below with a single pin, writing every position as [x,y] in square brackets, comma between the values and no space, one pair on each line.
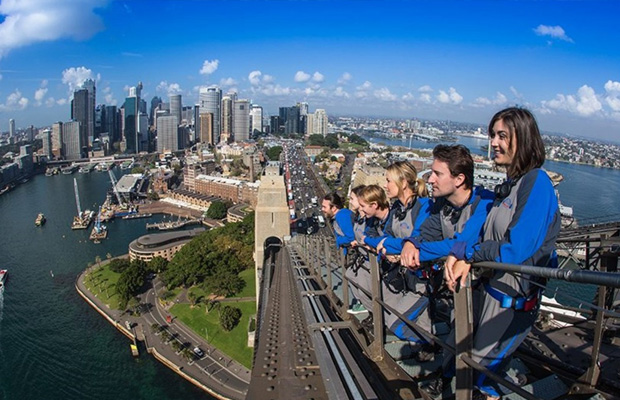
[318,77]
[39,94]
[499,99]
[613,95]
[61,102]
[50,102]
[345,78]
[584,103]
[425,89]
[268,78]
[14,102]
[426,98]
[340,92]
[34,21]
[384,94]
[169,89]
[301,76]
[408,97]
[75,77]
[254,78]
[556,32]
[452,97]
[365,86]
[209,67]
[227,82]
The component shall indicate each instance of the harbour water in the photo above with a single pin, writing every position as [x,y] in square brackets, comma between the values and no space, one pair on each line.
[52,344]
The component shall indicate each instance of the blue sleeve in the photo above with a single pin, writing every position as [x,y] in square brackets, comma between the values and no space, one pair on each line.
[394,245]
[537,205]
[470,235]
[345,222]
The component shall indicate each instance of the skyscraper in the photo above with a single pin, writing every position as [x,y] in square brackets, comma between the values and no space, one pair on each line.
[227,119]
[46,139]
[57,139]
[206,129]
[256,119]
[111,124]
[89,85]
[176,107]
[72,140]
[241,120]
[131,131]
[155,102]
[12,128]
[79,112]
[319,123]
[167,133]
[210,102]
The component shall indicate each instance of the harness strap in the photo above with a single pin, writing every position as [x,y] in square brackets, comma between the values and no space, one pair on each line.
[516,303]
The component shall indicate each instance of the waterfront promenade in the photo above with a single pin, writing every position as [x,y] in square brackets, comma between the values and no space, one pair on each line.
[215,373]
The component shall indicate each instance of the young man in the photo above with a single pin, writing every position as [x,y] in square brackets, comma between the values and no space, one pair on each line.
[341,218]
[459,213]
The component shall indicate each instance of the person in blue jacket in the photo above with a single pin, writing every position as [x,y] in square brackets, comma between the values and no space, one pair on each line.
[341,218]
[521,228]
[401,290]
[459,212]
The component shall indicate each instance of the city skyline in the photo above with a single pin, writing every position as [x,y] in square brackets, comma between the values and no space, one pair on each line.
[401,59]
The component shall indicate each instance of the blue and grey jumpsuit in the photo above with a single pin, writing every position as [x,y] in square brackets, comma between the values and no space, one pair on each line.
[403,222]
[359,265]
[520,229]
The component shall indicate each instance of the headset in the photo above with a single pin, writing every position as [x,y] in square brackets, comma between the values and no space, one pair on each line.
[401,213]
[503,189]
[452,212]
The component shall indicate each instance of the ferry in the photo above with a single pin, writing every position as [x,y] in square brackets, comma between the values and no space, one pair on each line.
[68,170]
[40,220]
[3,275]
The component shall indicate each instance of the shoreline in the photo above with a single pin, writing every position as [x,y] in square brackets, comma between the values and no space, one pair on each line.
[178,369]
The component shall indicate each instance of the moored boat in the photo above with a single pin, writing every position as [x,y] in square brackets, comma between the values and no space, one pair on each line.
[3,276]
[40,219]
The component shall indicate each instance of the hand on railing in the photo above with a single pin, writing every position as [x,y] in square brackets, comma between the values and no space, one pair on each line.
[410,256]
[453,270]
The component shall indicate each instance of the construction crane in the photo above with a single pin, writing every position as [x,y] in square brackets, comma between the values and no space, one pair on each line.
[121,203]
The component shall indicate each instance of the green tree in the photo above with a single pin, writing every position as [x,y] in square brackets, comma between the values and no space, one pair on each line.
[137,170]
[217,210]
[226,284]
[118,265]
[158,264]
[316,140]
[229,317]
[274,153]
[331,140]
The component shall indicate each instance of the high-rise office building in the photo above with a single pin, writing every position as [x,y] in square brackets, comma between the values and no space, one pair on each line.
[227,119]
[72,145]
[12,128]
[176,107]
[57,139]
[167,133]
[206,129]
[30,133]
[211,102]
[303,108]
[131,110]
[46,139]
[89,85]
[143,132]
[79,112]
[155,102]
[111,124]
[289,117]
[241,120]
[256,119]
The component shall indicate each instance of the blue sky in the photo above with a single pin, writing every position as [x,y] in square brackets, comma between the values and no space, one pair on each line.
[458,60]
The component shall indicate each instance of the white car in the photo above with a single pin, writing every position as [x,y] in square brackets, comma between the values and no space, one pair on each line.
[199,353]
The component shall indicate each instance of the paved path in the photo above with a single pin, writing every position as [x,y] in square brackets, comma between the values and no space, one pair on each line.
[215,372]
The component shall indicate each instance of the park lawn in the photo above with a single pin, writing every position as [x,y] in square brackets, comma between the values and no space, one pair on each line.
[249,277]
[233,343]
[100,279]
